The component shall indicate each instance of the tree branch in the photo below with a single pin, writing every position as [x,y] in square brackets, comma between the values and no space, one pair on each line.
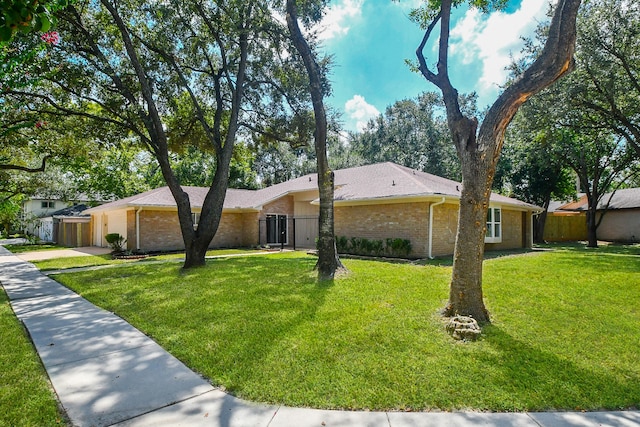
[555,60]
[26,169]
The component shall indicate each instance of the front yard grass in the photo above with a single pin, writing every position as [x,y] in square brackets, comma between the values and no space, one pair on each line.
[30,247]
[98,260]
[26,397]
[565,331]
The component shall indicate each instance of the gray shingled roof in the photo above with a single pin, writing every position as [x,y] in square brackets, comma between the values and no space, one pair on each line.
[628,198]
[381,181]
[73,211]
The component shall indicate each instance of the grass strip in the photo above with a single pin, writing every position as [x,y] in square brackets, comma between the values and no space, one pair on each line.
[26,397]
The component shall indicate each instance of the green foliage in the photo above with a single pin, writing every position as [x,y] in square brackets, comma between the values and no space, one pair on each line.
[9,215]
[373,247]
[374,340]
[605,86]
[412,133]
[116,241]
[424,14]
[27,16]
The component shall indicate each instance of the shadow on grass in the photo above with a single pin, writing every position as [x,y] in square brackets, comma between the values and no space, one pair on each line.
[268,298]
[603,247]
[549,382]
[447,261]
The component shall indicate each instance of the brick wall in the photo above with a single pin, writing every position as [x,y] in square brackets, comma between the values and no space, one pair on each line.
[511,232]
[400,220]
[250,229]
[229,234]
[131,230]
[160,231]
[445,226]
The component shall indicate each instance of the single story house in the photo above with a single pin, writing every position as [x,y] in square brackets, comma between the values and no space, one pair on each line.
[621,221]
[377,201]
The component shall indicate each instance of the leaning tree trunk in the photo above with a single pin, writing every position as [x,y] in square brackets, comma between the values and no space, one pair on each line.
[465,290]
[328,260]
[479,151]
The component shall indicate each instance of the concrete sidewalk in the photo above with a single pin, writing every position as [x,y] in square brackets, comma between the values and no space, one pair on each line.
[106,373]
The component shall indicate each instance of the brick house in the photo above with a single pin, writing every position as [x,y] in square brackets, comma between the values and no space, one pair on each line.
[377,201]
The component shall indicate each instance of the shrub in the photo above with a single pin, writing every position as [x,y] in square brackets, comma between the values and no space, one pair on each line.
[362,246]
[116,241]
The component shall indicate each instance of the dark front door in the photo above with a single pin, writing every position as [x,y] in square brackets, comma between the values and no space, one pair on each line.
[276,229]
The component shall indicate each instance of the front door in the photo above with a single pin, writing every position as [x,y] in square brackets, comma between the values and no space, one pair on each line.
[276,229]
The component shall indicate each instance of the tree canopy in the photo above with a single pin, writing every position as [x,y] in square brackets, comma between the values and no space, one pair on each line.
[168,76]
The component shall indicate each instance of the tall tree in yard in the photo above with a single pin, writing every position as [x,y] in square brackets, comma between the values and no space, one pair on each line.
[328,261]
[479,144]
[537,170]
[137,65]
[602,162]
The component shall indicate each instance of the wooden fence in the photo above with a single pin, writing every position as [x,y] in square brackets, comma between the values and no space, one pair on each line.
[565,227]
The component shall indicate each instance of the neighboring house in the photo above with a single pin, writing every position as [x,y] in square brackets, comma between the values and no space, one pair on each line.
[40,206]
[66,227]
[621,221]
[378,201]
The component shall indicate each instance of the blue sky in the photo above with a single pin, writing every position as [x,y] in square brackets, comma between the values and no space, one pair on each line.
[370,39]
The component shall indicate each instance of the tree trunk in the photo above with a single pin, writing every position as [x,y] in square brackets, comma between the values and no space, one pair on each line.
[592,228]
[328,260]
[538,235]
[465,290]
[538,231]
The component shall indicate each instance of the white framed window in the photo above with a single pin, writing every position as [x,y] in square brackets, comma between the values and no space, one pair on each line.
[494,225]
[48,204]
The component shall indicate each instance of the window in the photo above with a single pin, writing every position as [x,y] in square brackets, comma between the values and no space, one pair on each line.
[494,226]
[276,229]
[48,204]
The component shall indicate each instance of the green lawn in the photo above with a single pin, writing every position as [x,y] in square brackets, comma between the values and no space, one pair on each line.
[26,397]
[29,247]
[98,260]
[565,331]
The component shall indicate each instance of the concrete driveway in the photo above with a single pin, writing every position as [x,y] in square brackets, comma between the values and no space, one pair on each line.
[62,253]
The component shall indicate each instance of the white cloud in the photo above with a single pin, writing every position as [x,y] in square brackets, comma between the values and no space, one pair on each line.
[336,21]
[360,112]
[493,39]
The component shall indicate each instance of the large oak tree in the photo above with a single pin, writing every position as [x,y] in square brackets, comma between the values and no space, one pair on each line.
[136,65]
[479,144]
